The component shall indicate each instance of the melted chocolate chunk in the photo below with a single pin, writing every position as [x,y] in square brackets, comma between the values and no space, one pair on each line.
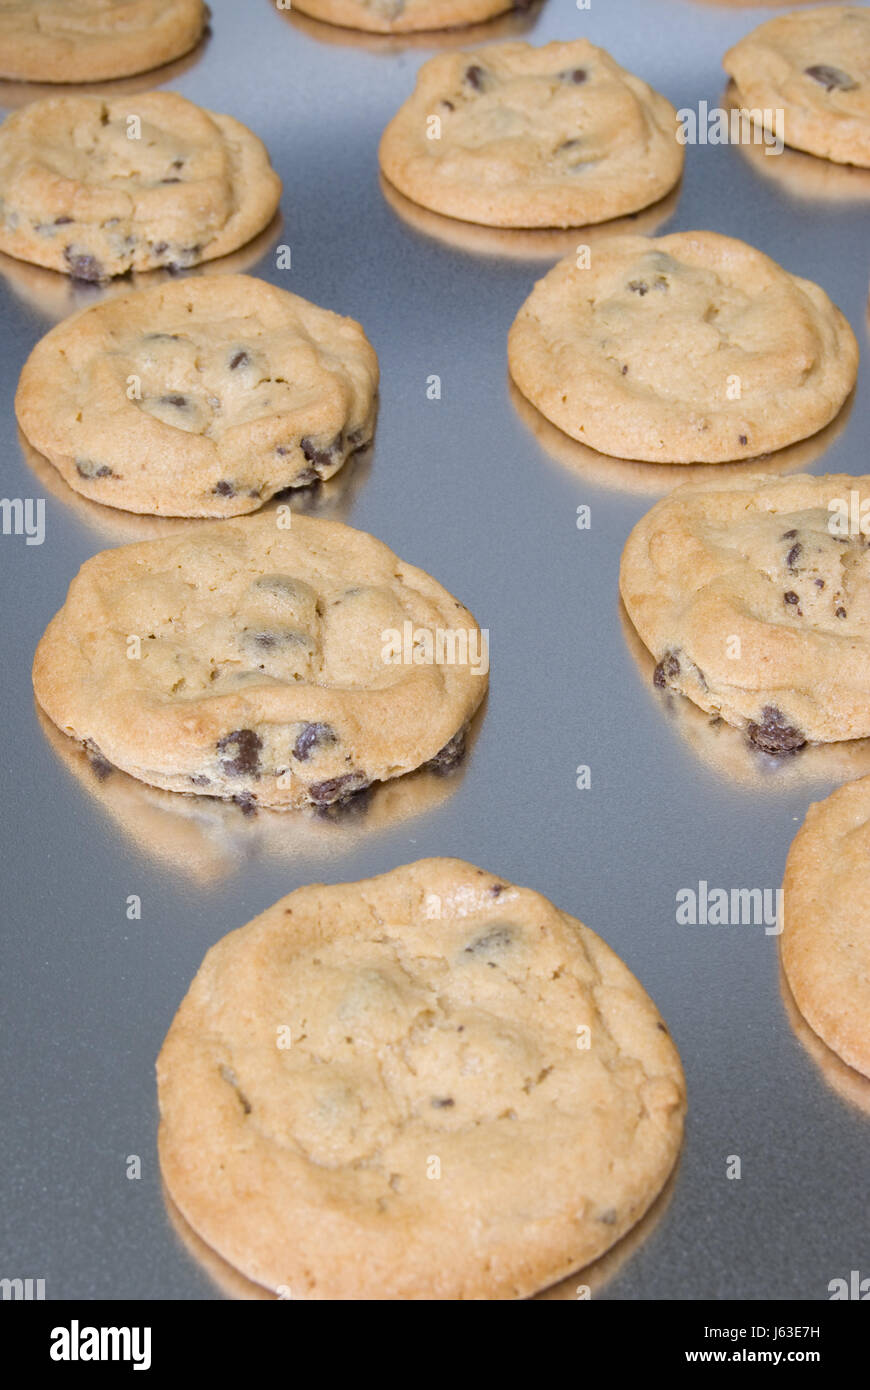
[224,489]
[832,79]
[200,780]
[577,75]
[643,287]
[793,555]
[667,670]
[474,76]
[450,756]
[492,942]
[788,535]
[179,402]
[840,612]
[83,267]
[100,765]
[313,736]
[442,1102]
[62,221]
[791,597]
[87,468]
[239,359]
[773,734]
[240,753]
[317,455]
[246,802]
[272,639]
[337,788]
[171,180]
[742,439]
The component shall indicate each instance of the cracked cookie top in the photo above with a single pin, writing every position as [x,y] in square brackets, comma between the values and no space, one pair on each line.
[199,397]
[689,348]
[430,1084]
[754,598]
[517,136]
[246,659]
[814,67]
[93,40]
[96,187]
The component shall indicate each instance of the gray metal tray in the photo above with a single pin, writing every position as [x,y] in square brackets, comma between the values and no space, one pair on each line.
[483,494]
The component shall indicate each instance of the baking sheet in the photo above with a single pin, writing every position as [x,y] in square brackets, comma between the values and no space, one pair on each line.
[481,492]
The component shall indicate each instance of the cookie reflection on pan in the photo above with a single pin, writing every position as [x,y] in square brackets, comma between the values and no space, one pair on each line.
[594,1277]
[801,175]
[205,839]
[55,296]
[849,1084]
[658,479]
[726,749]
[332,500]
[14,94]
[511,25]
[528,244]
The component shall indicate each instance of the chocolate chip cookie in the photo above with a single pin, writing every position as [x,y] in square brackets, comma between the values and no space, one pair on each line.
[92,40]
[690,348]
[754,599]
[428,1085]
[199,397]
[405,16]
[96,188]
[276,661]
[517,136]
[825,942]
[814,67]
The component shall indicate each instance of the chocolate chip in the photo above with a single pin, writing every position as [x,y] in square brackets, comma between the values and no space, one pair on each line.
[791,597]
[87,468]
[793,555]
[171,180]
[493,941]
[337,788]
[246,802]
[100,764]
[177,164]
[83,267]
[179,402]
[319,455]
[200,780]
[313,736]
[832,79]
[62,221]
[450,756]
[819,583]
[625,370]
[448,105]
[577,75]
[568,145]
[742,439]
[609,1216]
[667,670]
[159,248]
[240,753]
[474,76]
[272,639]
[442,1103]
[154,337]
[638,287]
[224,489]
[661,1027]
[773,735]
[239,359]
[789,535]
[278,586]
[497,889]
[840,612]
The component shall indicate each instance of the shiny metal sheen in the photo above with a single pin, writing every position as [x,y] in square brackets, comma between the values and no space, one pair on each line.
[465,488]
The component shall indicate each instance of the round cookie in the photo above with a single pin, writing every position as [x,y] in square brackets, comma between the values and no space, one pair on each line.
[199,397]
[271,663]
[98,187]
[93,40]
[428,1085]
[754,599]
[517,136]
[825,942]
[814,67]
[689,348]
[405,16]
